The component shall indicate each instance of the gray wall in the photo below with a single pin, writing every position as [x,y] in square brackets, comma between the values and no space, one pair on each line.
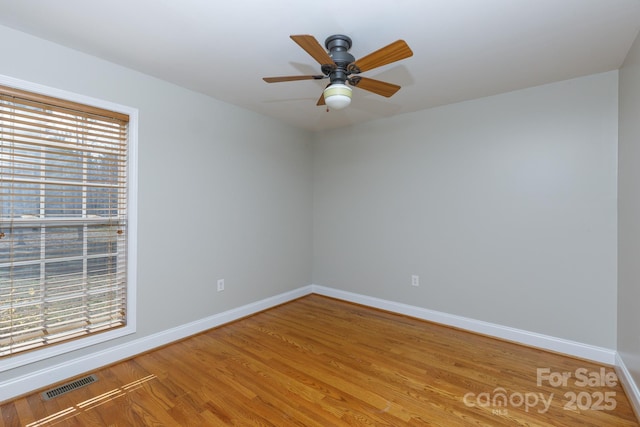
[504,206]
[629,213]
[223,192]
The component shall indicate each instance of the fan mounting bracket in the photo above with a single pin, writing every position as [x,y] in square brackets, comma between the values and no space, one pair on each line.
[338,42]
[353,81]
[352,68]
[327,69]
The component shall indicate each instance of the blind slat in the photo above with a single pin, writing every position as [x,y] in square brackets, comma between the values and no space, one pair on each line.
[28,141]
[61,103]
[23,124]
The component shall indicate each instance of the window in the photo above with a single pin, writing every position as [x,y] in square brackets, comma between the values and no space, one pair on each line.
[64,221]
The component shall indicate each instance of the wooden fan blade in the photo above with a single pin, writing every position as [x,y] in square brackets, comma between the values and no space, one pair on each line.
[291,78]
[313,48]
[391,53]
[321,100]
[375,86]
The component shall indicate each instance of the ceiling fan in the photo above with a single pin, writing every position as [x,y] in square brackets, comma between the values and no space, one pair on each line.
[340,67]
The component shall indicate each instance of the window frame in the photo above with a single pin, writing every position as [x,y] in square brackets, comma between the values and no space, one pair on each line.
[21,359]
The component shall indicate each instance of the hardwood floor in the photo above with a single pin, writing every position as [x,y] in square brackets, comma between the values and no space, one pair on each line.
[322,362]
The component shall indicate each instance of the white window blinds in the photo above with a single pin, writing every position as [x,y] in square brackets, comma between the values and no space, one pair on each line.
[63,220]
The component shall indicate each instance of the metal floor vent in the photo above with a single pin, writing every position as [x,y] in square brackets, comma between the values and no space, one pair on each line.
[66,388]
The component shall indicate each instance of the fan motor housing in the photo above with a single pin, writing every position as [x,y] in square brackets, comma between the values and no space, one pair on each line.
[338,46]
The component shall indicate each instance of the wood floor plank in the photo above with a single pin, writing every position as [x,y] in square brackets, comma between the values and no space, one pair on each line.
[23,410]
[318,361]
[9,415]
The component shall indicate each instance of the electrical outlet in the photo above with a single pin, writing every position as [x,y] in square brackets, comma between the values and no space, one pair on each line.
[415,280]
[220,285]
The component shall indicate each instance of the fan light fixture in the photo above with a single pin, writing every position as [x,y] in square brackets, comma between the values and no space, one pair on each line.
[337,96]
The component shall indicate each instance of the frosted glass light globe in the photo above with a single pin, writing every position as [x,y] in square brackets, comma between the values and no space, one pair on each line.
[337,96]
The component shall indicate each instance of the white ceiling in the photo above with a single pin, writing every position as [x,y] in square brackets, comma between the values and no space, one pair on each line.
[463,49]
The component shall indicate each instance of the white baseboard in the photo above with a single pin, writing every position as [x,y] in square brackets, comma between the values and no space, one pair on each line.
[572,348]
[630,386]
[24,384]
